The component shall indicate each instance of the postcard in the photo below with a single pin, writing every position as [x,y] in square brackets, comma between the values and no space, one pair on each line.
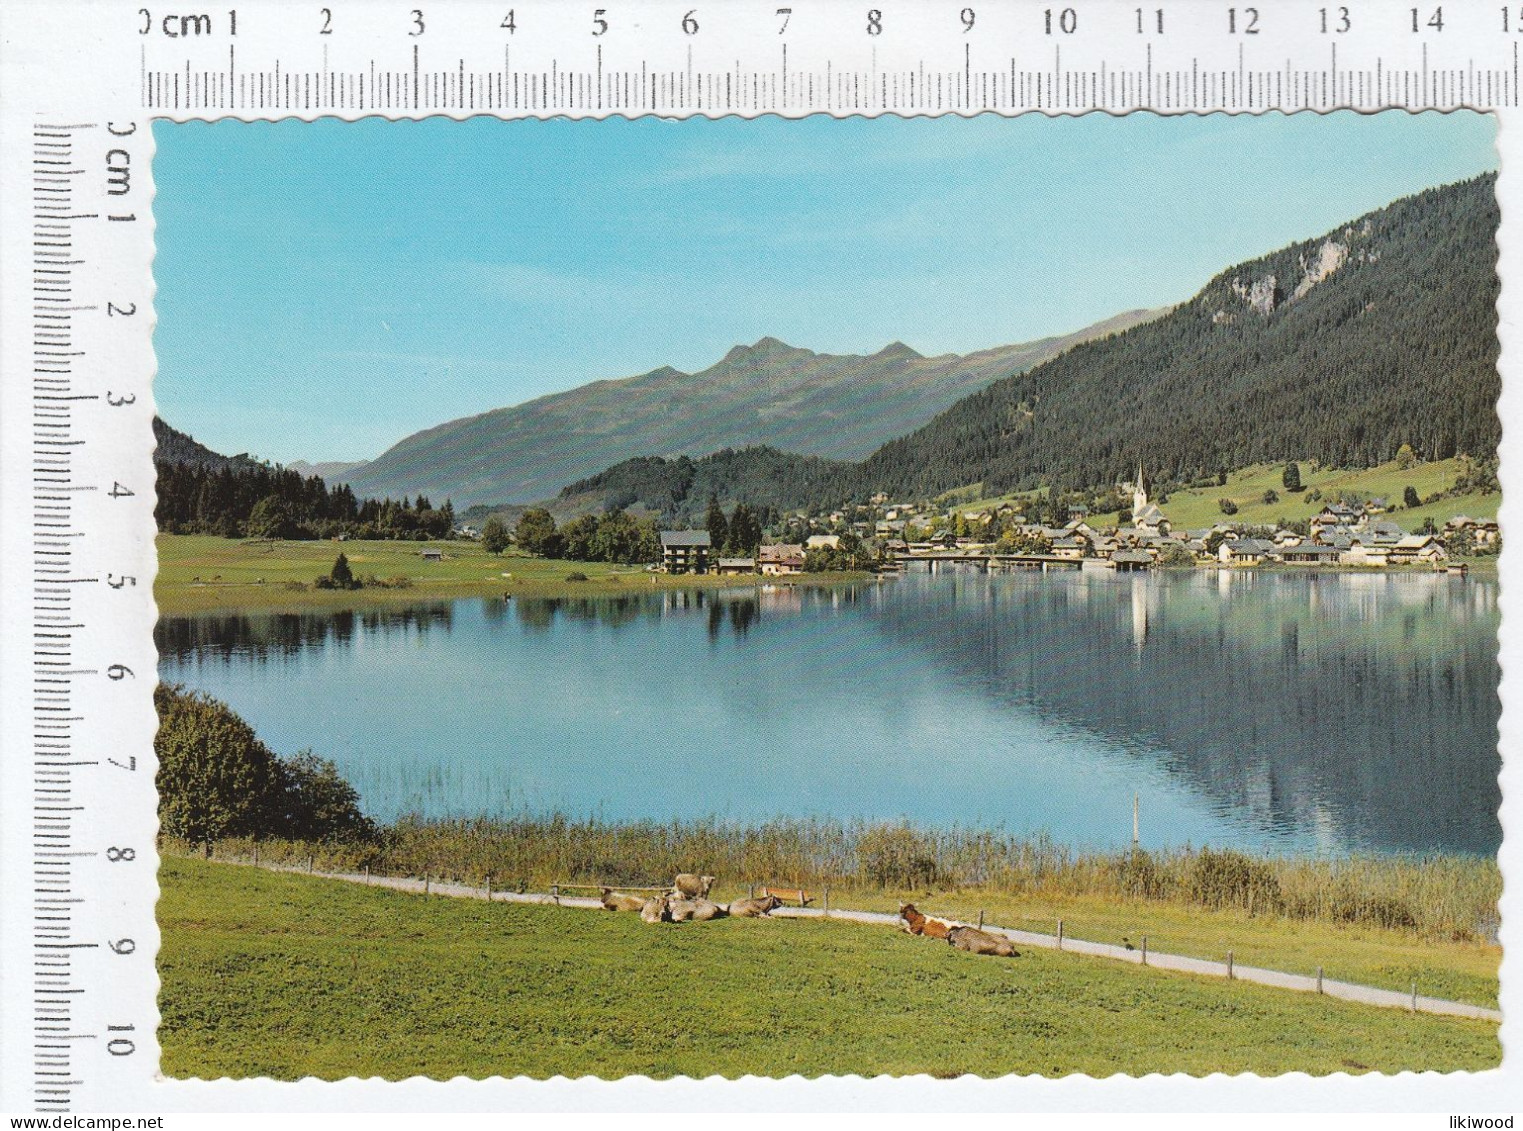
[962,599]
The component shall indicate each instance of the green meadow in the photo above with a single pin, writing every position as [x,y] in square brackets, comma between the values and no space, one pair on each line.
[205,573]
[287,976]
[1197,508]
[1200,507]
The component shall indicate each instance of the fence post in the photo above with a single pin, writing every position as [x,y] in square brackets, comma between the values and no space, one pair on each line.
[256,854]
[1144,950]
[489,887]
[1060,934]
[1229,964]
[555,892]
[1414,997]
[367,873]
[750,891]
[827,901]
[1319,979]
[311,861]
[980,918]
[425,883]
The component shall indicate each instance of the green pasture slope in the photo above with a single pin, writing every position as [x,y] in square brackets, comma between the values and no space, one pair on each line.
[287,976]
[1197,508]
[204,573]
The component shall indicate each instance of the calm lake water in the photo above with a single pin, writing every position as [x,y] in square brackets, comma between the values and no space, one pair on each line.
[1319,713]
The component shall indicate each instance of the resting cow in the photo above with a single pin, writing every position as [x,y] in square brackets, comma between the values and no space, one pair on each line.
[681,910]
[975,941]
[656,910]
[618,901]
[690,886]
[928,925]
[704,910]
[755,908]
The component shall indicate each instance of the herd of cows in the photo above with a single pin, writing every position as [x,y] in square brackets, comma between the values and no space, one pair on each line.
[688,902]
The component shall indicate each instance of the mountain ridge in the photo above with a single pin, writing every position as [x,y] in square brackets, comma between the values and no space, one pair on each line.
[767,393]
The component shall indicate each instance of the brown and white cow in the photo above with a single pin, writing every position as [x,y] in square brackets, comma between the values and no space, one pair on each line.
[928,925]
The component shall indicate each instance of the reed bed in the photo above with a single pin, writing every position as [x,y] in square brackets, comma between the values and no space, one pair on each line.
[1435,896]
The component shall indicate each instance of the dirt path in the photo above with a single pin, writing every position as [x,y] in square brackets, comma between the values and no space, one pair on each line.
[1347,991]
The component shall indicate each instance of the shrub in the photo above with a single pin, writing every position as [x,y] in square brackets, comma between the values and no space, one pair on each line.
[1227,506]
[1139,875]
[215,777]
[217,780]
[576,577]
[1231,879]
[897,856]
[318,804]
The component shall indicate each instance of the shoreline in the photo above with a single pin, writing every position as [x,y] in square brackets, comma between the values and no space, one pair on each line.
[176,595]
[234,597]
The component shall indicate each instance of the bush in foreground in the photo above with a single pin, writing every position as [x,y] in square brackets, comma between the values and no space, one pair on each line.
[217,780]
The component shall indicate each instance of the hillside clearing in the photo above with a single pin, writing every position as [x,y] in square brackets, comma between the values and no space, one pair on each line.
[283,975]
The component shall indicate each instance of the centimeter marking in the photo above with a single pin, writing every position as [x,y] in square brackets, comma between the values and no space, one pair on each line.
[1203,85]
[56,897]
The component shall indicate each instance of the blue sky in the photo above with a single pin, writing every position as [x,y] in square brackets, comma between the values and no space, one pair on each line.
[325,289]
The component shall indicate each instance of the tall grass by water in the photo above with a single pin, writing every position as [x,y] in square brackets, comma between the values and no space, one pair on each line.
[1447,897]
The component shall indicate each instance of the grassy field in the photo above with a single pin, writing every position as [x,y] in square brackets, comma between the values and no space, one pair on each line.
[1370,956]
[1195,509]
[202,573]
[1459,969]
[1200,508]
[286,976]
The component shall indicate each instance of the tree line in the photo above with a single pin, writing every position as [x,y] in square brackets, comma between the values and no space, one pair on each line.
[767,480]
[254,500]
[613,536]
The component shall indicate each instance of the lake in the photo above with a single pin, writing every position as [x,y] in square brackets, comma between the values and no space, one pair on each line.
[1304,712]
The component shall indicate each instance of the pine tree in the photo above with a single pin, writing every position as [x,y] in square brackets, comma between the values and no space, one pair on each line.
[716,525]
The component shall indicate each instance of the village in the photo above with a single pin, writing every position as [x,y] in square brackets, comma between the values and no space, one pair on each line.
[905,536]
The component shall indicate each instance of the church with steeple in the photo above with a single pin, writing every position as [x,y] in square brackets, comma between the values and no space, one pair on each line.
[1146,517]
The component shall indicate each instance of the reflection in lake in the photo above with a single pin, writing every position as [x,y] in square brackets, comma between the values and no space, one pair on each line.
[1289,711]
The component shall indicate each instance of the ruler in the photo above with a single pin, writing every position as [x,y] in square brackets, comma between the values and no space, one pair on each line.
[88,490]
[80,86]
[873,57]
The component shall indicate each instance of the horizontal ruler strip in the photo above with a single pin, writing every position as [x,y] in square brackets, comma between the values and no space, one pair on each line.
[1203,85]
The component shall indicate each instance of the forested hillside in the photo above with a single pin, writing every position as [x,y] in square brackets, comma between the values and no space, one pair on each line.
[678,490]
[172,446]
[202,492]
[1338,349]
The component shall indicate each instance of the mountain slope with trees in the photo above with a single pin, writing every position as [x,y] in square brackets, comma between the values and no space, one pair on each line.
[677,490]
[1338,349]
[202,492]
[768,393]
